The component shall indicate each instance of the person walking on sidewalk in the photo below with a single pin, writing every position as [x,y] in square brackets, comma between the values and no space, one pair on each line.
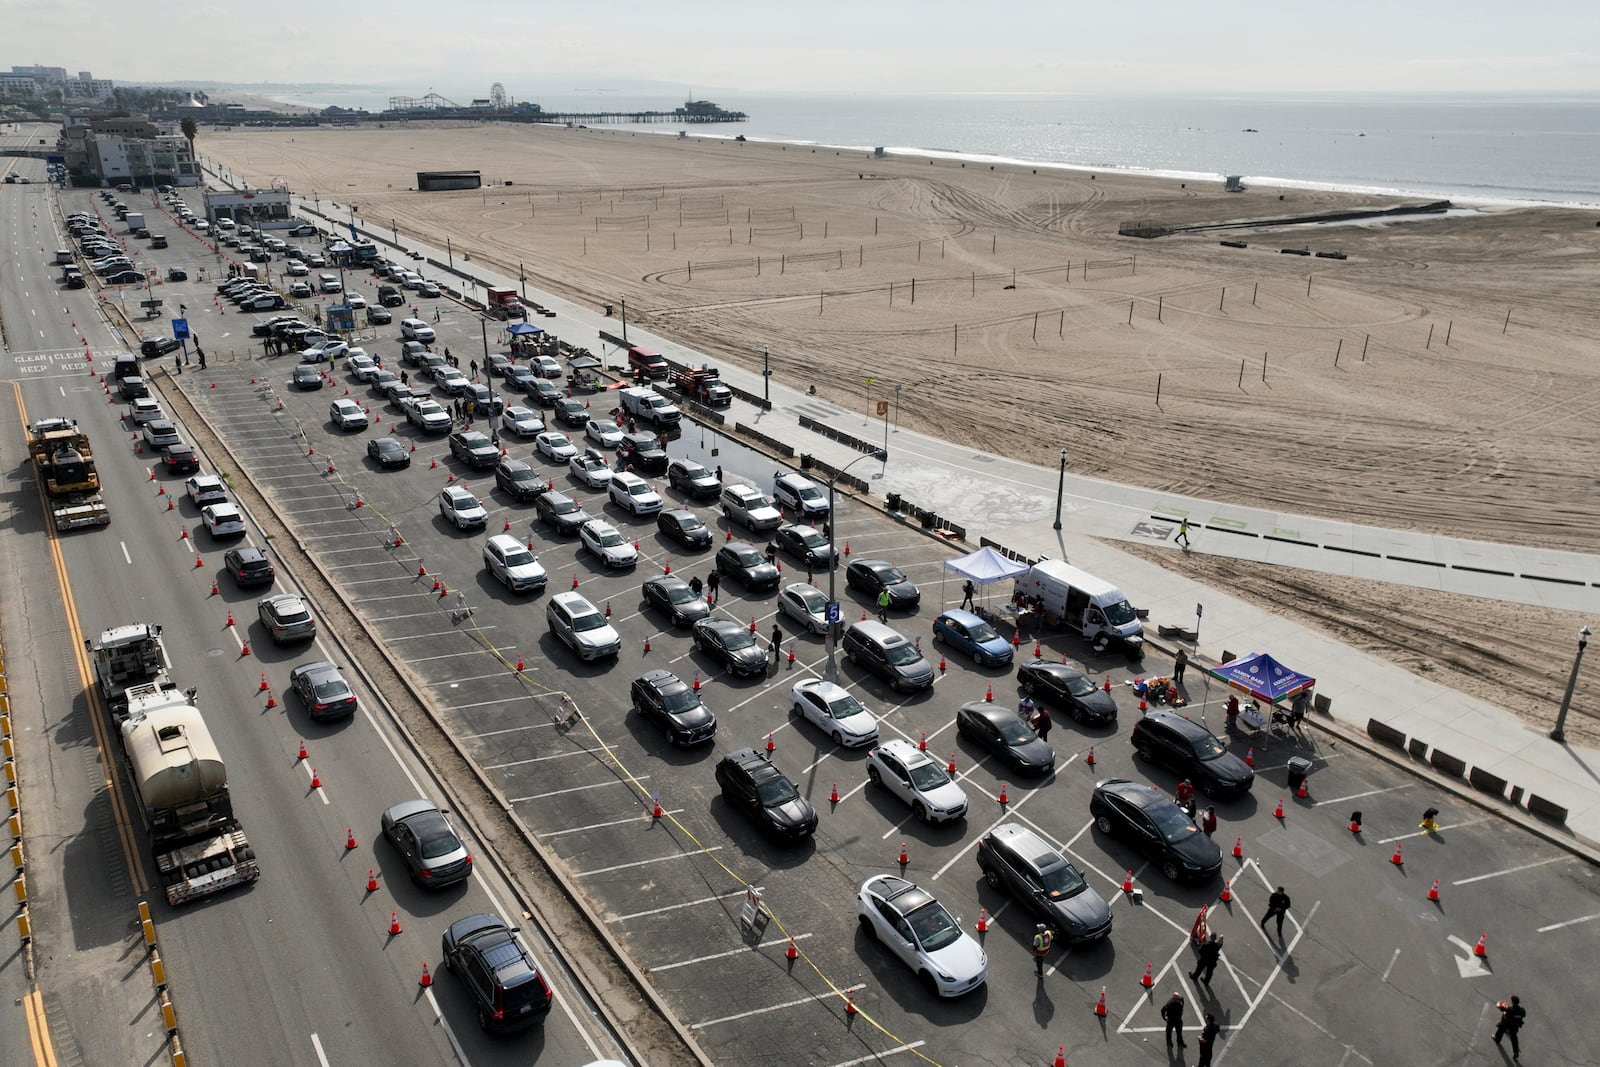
[1183,534]
[1180,663]
[966,594]
[1206,961]
[1172,1015]
[1277,905]
[712,581]
[1208,1039]
[1512,1015]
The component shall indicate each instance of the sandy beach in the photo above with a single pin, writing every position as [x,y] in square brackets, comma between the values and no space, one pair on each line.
[1440,378]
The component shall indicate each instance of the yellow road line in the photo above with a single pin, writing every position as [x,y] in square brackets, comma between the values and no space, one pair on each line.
[44,1050]
[98,719]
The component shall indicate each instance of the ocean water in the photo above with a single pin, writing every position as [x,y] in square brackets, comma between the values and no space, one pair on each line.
[1494,149]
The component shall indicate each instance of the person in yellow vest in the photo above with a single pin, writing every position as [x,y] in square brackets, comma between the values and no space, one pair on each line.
[1042,939]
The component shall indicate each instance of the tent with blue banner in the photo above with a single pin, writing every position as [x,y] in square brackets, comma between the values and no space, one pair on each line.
[1263,677]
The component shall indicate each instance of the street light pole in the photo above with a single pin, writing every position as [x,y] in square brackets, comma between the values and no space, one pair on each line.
[488,379]
[831,669]
[450,253]
[1061,485]
[766,375]
[623,301]
[1559,734]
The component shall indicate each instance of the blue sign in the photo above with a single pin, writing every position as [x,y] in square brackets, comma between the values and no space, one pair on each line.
[180,329]
[834,613]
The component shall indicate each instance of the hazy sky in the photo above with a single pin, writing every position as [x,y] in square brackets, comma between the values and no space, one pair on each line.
[828,45]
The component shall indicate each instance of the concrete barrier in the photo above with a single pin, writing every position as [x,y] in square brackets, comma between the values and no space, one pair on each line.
[1418,748]
[1485,782]
[1385,734]
[1547,810]
[1451,765]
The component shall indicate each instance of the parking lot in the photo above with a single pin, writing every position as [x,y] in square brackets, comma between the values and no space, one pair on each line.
[1369,970]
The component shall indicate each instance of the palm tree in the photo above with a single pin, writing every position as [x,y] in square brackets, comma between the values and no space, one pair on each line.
[189,130]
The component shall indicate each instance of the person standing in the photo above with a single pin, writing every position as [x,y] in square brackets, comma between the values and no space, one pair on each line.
[1042,939]
[1172,1015]
[1206,961]
[883,605]
[177,361]
[1208,1039]
[712,581]
[1277,905]
[1179,665]
[777,643]
[694,585]
[1042,723]
[1512,1015]
[966,594]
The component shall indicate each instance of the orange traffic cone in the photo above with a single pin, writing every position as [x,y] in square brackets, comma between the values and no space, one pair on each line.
[771,747]
[1127,883]
[372,880]
[1481,949]
[1148,980]
[1003,800]
[752,624]
[950,768]
[791,952]
[1238,848]
[574,580]
[1397,859]
[230,617]
[263,687]
[833,797]
[1227,891]
[904,857]
[647,644]
[1250,757]
[983,920]
[349,838]
[198,563]
[941,663]
[394,923]
[1061,1057]
[608,609]
[316,779]
[1107,686]
[1433,891]
[988,695]
[1302,792]
[422,570]
[272,701]
[169,504]
[922,743]
[427,979]
[1277,812]
[1100,1005]
[303,753]
[849,1003]
[214,590]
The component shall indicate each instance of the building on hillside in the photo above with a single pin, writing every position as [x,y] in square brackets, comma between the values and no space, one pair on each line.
[127,148]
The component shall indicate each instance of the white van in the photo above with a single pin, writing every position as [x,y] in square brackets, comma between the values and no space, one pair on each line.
[1084,604]
[801,497]
[225,224]
[329,283]
[251,271]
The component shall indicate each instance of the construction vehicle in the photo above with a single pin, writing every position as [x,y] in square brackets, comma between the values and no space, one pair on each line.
[504,304]
[703,385]
[65,462]
[179,779]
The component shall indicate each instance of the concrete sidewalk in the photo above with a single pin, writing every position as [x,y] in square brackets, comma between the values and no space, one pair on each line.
[1013,504]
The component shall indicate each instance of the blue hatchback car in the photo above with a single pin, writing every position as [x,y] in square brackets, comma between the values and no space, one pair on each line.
[965,632]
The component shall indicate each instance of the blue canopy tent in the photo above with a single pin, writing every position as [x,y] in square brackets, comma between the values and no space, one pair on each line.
[519,329]
[1263,677]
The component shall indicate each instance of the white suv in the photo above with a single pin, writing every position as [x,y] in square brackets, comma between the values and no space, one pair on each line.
[460,507]
[750,508]
[908,773]
[607,544]
[634,493]
[581,627]
[416,330]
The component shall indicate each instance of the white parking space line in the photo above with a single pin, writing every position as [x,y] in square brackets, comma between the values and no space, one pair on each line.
[602,825]
[772,1008]
[440,633]
[1569,922]
[316,1046]
[648,862]
[419,591]
[724,955]
[1424,833]
[1004,815]
[1512,870]
[375,581]
[675,907]
[374,563]
[877,1057]
[1357,796]
[457,655]
[544,759]
[580,789]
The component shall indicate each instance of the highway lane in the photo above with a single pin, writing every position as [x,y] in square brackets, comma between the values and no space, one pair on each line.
[307,947]
[667,885]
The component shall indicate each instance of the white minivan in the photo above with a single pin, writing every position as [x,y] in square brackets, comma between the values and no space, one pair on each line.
[329,283]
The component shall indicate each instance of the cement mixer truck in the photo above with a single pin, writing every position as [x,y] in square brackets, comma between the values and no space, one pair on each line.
[179,778]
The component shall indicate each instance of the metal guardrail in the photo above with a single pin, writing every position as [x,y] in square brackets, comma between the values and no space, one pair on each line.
[849,441]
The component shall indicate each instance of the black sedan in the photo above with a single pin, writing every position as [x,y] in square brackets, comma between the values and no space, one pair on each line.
[323,688]
[732,644]
[806,544]
[674,706]
[388,452]
[434,854]
[741,560]
[873,576]
[999,729]
[672,596]
[1147,819]
[474,449]
[1193,752]
[306,376]
[684,527]
[1067,689]
[123,277]
[158,346]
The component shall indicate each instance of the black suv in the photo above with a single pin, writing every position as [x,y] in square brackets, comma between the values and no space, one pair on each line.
[518,480]
[684,527]
[249,566]
[1193,752]
[474,449]
[501,974]
[807,544]
[674,706]
[765,794]
[741,560]
[158,346]
[643,453]
[1017,860]
[572,411]
[560,512]
[1147,819]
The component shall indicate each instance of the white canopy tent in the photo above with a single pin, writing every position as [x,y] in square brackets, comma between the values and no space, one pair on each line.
[984,567]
